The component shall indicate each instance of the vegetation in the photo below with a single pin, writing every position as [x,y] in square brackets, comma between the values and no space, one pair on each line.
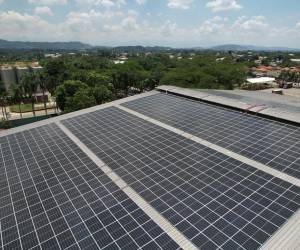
[4,124]
[81,81]
[25,108]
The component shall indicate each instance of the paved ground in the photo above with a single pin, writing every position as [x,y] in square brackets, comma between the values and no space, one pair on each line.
[295,92]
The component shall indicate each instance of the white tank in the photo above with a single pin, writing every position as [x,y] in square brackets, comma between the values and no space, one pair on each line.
[8,76]
[20,72]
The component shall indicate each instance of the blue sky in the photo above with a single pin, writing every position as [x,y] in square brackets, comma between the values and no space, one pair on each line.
[177,23]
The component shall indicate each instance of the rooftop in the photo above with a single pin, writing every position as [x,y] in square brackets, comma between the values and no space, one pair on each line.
[261,80]
[152,171]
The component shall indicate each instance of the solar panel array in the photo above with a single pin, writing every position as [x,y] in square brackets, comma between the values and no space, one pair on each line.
[52,196]
[271,143]
[214,200]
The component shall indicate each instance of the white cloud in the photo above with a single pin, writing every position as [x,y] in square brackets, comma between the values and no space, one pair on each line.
[117,27]
[130,21]
[213,25]
[102,3]
[17,26]
[48,2]
[222,5]
[298,25]
[1,1]
[141,2]
[43,10]
[255,24]
[169,28]
[180,4]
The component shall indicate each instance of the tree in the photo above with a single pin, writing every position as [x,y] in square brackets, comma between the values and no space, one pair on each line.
[94,79]
[42,79]
[3,98]
[101,94]
[82,99]
[66,90]
[29,83]
[16,93]
[55,70]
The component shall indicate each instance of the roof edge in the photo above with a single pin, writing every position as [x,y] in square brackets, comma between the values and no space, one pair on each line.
[269,113]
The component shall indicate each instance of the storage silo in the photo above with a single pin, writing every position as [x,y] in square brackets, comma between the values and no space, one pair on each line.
[8,76]
[20,72]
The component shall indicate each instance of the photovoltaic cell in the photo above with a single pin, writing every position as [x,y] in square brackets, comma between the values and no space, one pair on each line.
[272,143]
[53,196]
[214,200]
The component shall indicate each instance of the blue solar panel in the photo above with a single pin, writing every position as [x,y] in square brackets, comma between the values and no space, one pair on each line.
[272,143]
[214,200]
[53,196]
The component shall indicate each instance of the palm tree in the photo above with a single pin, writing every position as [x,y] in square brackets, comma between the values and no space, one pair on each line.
[42,81]
[3,98]
[16,92]
[30,84]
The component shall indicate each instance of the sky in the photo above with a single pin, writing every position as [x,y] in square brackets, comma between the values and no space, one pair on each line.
[176,23]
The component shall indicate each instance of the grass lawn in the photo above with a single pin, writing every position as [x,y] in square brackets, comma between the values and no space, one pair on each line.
[27,107]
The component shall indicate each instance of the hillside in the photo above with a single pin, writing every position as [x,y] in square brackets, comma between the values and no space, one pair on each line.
[43,45]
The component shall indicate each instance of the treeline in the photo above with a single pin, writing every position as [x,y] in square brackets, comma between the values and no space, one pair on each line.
[81,81]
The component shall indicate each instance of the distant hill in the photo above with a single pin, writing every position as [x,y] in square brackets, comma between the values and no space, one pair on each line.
[44,45]
[4,44]
[140,49]
[235,47]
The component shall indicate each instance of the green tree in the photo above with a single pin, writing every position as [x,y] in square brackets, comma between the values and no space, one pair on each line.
[16,93]
[55,70]
[82,99]
[29,84]
[101,94]
[94,79]
[3,99]
[66,90]
[42,79]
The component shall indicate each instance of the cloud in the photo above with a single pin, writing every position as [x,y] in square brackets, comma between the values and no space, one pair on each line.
[180,4]
[102,3]
[141,2]
[48,2]
[118,27]
[254,24]
[1,1]
[213,25]
[223,5]
[130,21]
[298,25]
[42,11]
[17,26]
[169,28]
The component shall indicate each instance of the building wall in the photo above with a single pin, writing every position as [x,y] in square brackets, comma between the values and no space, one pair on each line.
[8,76]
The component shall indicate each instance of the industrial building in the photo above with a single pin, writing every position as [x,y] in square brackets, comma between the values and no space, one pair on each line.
[12,74]
[182,169]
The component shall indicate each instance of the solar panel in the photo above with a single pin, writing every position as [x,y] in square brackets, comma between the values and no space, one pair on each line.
[53,196]
[214,200]
[272,143]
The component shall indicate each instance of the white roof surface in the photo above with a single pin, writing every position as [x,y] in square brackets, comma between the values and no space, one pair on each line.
[261,80]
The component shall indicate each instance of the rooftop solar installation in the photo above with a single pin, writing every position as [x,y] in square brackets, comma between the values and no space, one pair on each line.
[145,172]
[216,201]
[272,143]
[53,196]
